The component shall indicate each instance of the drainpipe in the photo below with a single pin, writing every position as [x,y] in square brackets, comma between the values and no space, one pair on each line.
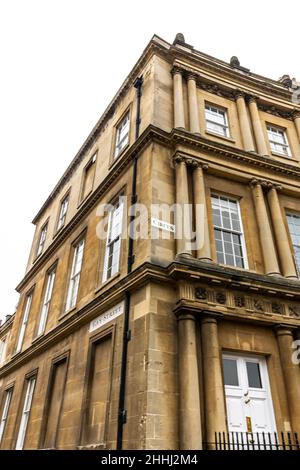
[130,260]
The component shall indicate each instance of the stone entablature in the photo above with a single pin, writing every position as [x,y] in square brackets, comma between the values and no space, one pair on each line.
[288,110]
[249,306]
[230,296]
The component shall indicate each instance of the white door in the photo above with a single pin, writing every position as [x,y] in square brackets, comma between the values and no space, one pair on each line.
[248,398]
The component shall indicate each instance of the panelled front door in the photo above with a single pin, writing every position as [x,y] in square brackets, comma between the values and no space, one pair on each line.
[248,398]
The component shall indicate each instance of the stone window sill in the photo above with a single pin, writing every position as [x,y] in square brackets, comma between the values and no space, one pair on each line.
[67,313]
[285,157]
[224,137]
[106,283]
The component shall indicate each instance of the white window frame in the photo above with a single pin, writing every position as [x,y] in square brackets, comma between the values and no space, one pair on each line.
[122,140]
[24,322]
[113,241]
[25,413]
[3,346]
[296,247]
[232,231]
[63,212]
[46,302]
[210,108]
[75,275]
[42,240]
[284,145]
[7,402]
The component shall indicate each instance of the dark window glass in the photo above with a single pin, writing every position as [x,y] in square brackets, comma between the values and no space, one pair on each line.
[253,372]
[230,372]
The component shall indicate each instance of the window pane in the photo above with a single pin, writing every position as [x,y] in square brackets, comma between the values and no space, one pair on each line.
[253,372]
[228,231]
[230,372]
[122,136]
[294,228]
[220,258]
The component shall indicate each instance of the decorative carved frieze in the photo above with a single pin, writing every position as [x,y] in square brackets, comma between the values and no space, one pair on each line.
[216,90]
[221,298]
[239,301]
[258,305]
[294,311]
[185,290]
[277,308]
[271,109]
[201,293]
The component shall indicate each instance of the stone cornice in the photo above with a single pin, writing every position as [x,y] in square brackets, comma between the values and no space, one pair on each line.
[151,49]
[229,92]
[181,269]
[170,139]
[188,307]
[105,298]
[172,54]
[222,69]
[4,327]
[225,276]
[181,136]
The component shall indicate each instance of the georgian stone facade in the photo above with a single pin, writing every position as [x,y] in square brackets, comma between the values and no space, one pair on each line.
[69,383]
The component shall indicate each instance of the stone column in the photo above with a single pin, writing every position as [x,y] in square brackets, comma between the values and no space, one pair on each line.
[183,214]
[193,104]
[296,117]
[257,127]
[244,122]
[189,397]
[281,236]
[215,414]
[179,120]
[201,222]
[291,373]
[264,230]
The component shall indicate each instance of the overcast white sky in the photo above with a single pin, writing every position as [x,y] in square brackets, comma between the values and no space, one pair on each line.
[63,60]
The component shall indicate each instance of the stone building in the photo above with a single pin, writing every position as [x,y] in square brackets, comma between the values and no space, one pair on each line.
[158,342]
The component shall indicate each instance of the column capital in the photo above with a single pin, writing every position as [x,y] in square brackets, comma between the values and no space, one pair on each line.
[198,164]
[177,69]
[191,75]
[239,94]
[284,330]
[295,113]
[210,317]
[265,184]
[179,159]
[276,186]
[251,98]
[185,316]
[189,161]
[255,182]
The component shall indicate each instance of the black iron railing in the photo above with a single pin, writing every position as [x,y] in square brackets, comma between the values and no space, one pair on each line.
[254,441]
